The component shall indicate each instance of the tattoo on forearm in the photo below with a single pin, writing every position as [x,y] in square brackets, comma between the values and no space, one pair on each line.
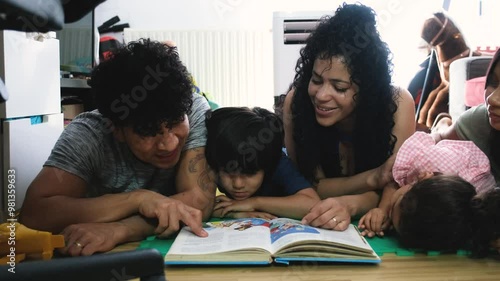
[194,162]
[206,180]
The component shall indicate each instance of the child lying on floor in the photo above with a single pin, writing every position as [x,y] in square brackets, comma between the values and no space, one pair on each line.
[432,207]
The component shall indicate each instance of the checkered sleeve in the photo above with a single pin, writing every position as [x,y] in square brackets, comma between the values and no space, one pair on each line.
[476,168]
[413,157]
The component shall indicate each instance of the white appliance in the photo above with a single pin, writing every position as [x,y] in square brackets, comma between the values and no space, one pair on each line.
[31,119]
[290,30]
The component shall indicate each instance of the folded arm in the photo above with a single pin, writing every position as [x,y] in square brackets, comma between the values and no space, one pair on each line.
[85,239]
[376,220]
[357,184]
[56,199]
[292,206]
[336,212]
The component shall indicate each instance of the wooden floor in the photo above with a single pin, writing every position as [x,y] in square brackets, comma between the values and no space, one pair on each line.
[392,268]
[420,267]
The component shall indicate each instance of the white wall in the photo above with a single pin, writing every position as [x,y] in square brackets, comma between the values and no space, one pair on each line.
[479,30]
[399,20]
[203,14]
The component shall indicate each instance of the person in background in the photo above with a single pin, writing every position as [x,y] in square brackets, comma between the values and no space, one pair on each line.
[443,35]
[480,124]
[343,118]
[135,166]
[244,148]
[428,68]
[436,183]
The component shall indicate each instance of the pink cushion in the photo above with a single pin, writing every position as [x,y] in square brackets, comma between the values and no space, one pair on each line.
[474,91]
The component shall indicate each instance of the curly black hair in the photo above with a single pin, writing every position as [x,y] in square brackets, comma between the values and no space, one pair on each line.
[243,140]
[350,34]
[143,85]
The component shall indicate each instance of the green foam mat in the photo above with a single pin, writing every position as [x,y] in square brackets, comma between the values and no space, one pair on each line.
[152,242]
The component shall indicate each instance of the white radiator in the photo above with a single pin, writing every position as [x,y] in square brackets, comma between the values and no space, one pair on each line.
[233,66]
[76,44]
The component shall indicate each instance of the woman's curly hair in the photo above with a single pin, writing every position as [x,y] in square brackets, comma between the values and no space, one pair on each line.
[350,34]
[143,85]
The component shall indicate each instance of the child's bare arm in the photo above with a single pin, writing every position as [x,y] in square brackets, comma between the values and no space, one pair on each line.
[292,206]
[223,201]
[385,201]
[377,220]
[220,202]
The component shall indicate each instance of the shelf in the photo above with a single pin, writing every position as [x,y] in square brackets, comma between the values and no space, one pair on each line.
[74,83]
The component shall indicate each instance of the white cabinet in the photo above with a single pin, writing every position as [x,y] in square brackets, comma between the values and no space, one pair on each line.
[30,71]
[26,147]
[31,119]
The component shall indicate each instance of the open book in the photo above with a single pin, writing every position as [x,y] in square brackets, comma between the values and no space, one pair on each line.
[260,241]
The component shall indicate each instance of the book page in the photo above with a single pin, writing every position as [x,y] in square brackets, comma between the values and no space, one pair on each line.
[224,236]
[285,232]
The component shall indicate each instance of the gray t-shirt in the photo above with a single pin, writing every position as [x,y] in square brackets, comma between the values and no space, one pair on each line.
[88,149]
[474,125]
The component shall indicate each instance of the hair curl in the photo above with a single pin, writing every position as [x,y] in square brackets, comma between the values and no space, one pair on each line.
[350,34]
[143,85]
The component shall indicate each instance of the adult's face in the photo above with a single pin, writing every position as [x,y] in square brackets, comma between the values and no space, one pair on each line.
[331,91]
[162,150]
[492,97]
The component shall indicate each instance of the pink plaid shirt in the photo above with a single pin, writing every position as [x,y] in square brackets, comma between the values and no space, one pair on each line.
[419,153]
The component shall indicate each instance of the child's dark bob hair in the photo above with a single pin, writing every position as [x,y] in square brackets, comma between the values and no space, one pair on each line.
[243,141]
[436,214]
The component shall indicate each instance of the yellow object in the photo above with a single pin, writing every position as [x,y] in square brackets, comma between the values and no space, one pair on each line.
[218,192]
[17,241]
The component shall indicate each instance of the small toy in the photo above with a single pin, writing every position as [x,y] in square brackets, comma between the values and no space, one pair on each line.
[17,242]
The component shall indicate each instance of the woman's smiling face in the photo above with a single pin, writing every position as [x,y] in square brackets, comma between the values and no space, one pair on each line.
[331,91]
